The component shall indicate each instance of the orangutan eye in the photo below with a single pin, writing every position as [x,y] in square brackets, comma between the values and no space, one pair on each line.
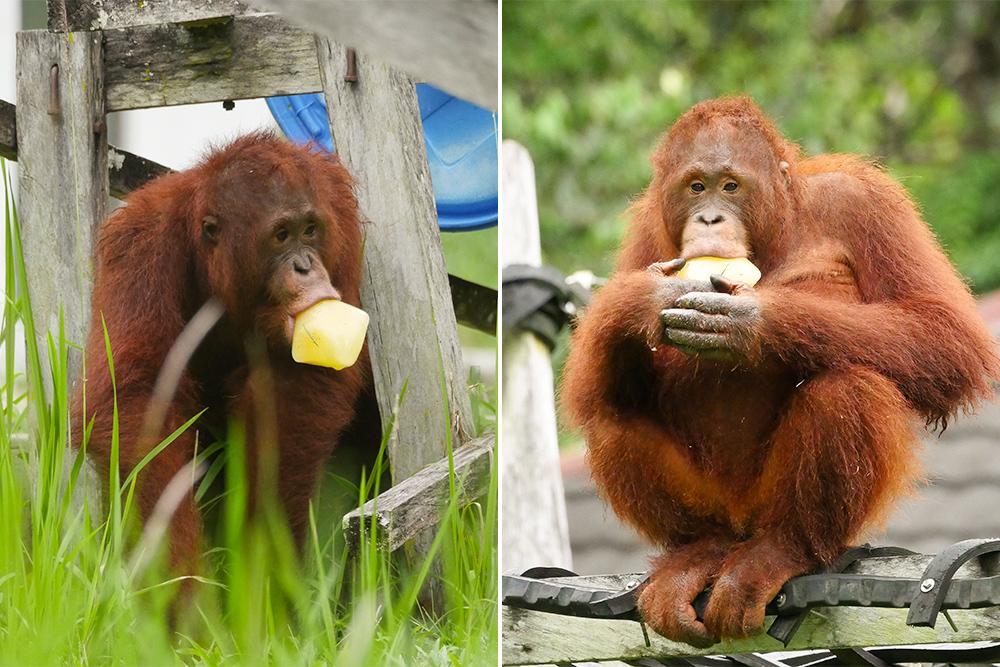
[310,230]
[281,235]
[697,186]
[730,186]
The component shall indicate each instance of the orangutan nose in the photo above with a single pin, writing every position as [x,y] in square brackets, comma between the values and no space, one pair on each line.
[711,217]
[302,264]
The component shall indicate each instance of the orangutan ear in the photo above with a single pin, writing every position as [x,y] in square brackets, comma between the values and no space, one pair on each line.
[786,170]
[210,229]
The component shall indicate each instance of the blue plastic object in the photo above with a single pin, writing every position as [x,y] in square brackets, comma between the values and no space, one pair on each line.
[461,149]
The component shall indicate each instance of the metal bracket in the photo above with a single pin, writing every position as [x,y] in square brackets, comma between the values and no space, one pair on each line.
[532,590]
[540,300]
[54,90]
[784,627]
[351,75]
[936,582]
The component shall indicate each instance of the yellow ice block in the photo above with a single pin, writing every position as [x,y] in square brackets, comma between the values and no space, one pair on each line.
[739,270]
[329,333]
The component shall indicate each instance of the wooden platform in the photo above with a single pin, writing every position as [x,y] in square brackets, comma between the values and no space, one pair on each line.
[532,638]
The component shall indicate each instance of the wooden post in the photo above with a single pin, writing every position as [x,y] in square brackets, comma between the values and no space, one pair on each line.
[534,505]
[63,175]
[413,336]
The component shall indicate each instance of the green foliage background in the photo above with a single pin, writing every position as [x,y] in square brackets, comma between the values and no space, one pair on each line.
[589,85]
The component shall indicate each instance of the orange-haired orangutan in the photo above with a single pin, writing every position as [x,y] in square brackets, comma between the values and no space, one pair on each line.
[754,433]
[266,229]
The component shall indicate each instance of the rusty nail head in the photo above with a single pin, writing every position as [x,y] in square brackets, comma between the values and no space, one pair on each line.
[100,125]
[54,90]
[351,76]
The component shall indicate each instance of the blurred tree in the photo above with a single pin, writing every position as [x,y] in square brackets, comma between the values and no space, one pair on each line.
[589,85]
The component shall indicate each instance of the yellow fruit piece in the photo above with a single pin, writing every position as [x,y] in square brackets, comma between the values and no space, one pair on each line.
[329,333]
[739,270]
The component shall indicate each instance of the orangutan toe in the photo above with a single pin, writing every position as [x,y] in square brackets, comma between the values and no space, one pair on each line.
[668,614]
[734,612]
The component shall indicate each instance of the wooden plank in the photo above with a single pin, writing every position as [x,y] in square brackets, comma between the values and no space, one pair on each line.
[535,529]
[8,130]
[412,335]
[533,637]
[475,305]
[415,504]
[63,175]
[74,15]
[460,57]
[128,171]
[238,58]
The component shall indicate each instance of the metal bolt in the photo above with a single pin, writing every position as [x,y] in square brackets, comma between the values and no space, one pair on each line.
[228,105]
[631,584]
[351,75]
[54,90]
[781,599]
[926,586]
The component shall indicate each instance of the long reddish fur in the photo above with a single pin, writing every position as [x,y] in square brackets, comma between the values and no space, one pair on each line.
[750,474]
[152,276]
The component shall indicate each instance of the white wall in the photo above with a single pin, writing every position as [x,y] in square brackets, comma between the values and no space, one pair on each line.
[10,20]
[178,136]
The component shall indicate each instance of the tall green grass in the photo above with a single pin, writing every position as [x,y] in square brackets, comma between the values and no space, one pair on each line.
[77,585]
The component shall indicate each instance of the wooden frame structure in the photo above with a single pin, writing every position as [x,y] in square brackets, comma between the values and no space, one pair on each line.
[100,56]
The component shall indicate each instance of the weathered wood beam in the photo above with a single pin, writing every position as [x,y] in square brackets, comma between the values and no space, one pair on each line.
[531,637]
[420,383]
[63,175]
[460,58]
[128,171]
[475,304]
[242,57]
[535,528]
[416,503]
[75,15]
[229,59]
[8,130]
